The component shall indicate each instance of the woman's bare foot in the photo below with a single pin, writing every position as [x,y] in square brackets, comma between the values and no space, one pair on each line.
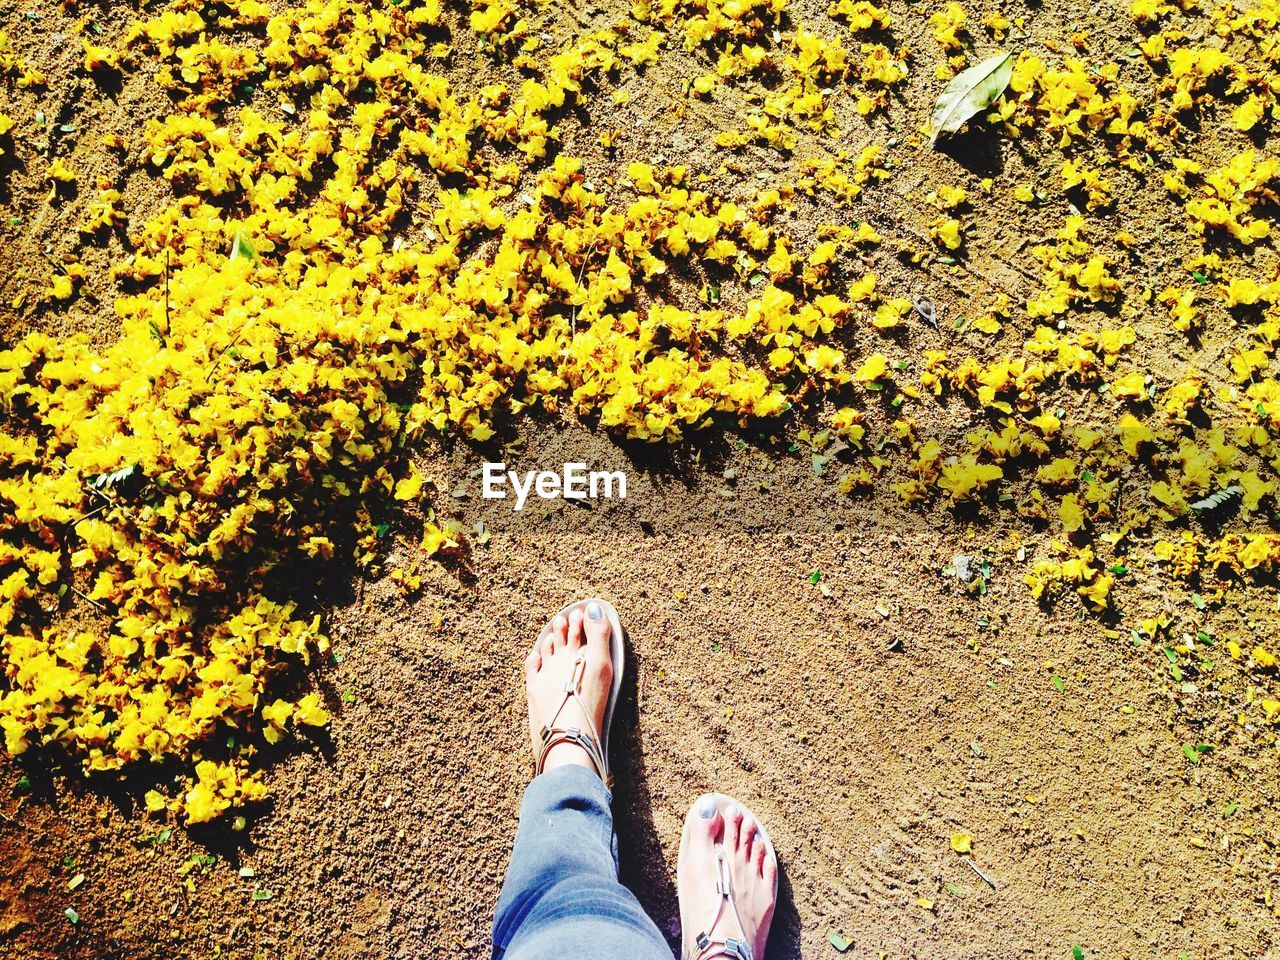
[715,823]
[550,665]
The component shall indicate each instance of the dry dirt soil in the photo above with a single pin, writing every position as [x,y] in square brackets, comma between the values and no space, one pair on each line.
[865,728]
[866,717]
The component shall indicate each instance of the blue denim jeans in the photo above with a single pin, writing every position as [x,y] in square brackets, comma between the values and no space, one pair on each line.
[562,899]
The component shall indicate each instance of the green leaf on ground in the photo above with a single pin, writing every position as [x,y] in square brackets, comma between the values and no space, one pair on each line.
[157,838]
[240,247]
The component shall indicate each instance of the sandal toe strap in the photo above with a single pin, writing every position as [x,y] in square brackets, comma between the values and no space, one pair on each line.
[588,740]
[729,948]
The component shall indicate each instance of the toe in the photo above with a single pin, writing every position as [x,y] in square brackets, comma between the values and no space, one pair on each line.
[596,626]
[575,628]
[545,644]
[759,851]
[769,872]
[746,839]
[732,826]
[559,629]
[533,662]
[704,823]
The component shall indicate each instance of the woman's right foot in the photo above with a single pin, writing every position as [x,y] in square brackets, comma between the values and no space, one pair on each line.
[716,823]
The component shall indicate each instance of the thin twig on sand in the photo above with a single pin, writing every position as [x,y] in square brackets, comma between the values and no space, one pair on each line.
[978,870]
[87,599]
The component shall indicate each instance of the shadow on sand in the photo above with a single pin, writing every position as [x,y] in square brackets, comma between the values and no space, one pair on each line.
[643,867]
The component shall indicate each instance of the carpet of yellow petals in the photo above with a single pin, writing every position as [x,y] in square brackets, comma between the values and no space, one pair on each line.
[360,255]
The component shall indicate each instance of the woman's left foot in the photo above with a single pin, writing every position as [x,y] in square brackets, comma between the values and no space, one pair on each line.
[720,835]
[551,664]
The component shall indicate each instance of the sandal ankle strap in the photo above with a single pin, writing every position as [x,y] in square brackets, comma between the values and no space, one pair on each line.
[727,949]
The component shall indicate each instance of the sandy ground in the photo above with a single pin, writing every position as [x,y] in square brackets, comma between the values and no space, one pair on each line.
[864,728]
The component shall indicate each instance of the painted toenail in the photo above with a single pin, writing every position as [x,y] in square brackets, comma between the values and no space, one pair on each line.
[595,611]
[708,808]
